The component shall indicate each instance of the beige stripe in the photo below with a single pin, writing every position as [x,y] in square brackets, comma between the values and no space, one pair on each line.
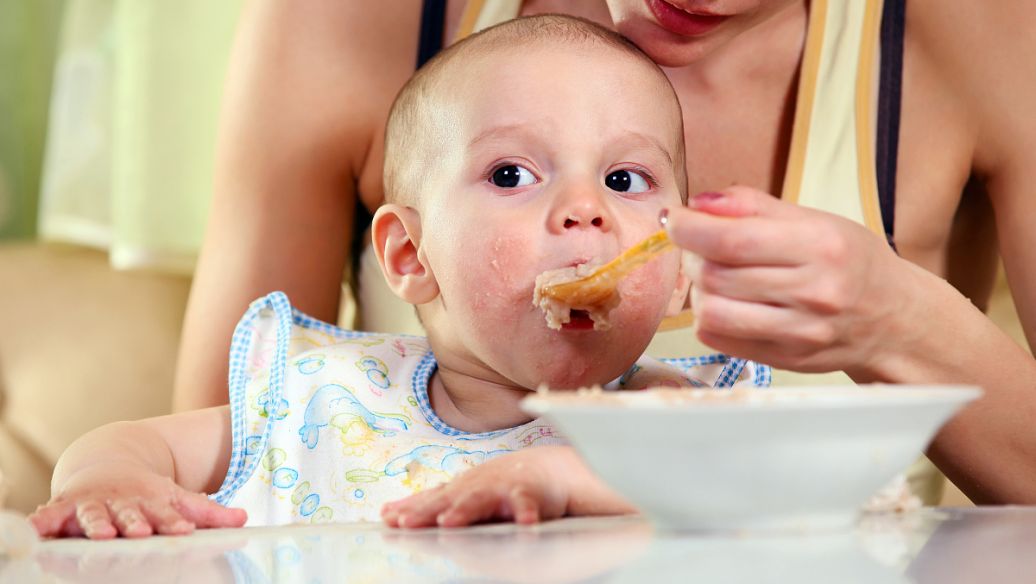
[804,101]
[497,11]
[830,177]
[864,118]
[467,20]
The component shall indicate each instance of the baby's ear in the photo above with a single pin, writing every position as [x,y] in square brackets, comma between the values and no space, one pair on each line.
[679,299]
[396,232]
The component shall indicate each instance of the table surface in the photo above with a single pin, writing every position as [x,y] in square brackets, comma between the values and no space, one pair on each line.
[986,545]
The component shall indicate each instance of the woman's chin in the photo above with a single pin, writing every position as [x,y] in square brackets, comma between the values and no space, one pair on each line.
[668,49]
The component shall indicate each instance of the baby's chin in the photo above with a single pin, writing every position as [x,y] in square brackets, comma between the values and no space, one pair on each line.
[568,368]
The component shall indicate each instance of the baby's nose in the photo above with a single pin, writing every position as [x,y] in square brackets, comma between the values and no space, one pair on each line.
[580,210]
[592,219]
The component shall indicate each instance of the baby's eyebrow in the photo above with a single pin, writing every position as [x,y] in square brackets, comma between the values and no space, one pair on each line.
[524,131]
[648,142]
[502,131]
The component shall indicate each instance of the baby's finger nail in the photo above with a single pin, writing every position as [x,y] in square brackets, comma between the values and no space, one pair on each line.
[181,526]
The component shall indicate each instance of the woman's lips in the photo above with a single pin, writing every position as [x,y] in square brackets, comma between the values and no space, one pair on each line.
[683,23]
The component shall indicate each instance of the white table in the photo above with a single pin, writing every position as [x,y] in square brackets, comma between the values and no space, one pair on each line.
[989,546]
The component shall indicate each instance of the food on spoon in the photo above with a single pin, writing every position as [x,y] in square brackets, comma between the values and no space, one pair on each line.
[558,311]
[591,288]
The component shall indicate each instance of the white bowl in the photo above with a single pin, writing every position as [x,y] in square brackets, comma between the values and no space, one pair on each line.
[778,458]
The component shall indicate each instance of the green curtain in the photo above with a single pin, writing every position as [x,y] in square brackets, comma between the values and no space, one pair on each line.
[28,37]
[133,116]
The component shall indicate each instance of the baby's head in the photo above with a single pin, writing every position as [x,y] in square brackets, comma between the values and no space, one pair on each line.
[540,143]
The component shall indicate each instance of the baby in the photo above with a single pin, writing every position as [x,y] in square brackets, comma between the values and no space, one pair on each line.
[542,143]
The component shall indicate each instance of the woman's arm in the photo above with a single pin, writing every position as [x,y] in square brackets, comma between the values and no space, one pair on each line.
[807,291]
[989,450]
[307,94]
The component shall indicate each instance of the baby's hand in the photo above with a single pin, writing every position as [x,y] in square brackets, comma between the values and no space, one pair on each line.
[523,487]
[103,501]
[527,486]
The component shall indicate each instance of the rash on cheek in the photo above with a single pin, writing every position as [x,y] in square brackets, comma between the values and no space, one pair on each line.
[495,268]
[645,293]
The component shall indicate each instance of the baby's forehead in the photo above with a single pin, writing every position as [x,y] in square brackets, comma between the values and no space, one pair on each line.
[512,93]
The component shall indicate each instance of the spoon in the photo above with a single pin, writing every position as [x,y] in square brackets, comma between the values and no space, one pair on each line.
[599,285]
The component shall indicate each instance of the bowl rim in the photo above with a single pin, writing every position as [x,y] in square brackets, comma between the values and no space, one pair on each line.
[784,398]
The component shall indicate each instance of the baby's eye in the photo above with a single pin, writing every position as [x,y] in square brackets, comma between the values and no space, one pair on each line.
[511,176]
[626,181]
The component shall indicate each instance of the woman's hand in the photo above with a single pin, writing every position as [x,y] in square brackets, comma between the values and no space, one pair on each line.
[527,486]
[793,287]
[106,500]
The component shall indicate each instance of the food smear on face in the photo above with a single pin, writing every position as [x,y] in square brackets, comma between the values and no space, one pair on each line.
[558,312]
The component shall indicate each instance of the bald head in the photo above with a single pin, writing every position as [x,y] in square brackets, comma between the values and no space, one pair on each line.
[423,118]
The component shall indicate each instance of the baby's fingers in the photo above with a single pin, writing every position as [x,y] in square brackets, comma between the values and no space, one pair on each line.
[164,519]
[49,520]
[419,510]
[204,512]
[472,507]
[524,506]
[95,521]
[129,519]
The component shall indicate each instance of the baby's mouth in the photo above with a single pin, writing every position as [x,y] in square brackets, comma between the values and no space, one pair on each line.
[579,320]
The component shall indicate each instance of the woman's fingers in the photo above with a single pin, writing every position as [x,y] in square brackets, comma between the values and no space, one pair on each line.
[743,226]
[738,320]
[719,315]
[767,284]
[736,241]
[742,201]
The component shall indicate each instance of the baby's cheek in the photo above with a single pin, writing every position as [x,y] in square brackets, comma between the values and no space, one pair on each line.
[646,292]
[498,270]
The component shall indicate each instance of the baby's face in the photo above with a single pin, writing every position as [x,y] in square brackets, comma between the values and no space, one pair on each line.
[557,157]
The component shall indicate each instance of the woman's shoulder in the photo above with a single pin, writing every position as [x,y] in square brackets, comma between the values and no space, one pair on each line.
[972,63]
[982,51]
[321,75]
[332,32]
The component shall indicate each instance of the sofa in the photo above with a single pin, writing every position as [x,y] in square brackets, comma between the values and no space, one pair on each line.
[80,345]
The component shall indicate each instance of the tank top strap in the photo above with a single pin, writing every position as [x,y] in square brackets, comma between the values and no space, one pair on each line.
[890,91]
[478,14]
[433,22]
[846,123]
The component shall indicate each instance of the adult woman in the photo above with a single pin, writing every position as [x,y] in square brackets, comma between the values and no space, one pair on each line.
[311,86]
